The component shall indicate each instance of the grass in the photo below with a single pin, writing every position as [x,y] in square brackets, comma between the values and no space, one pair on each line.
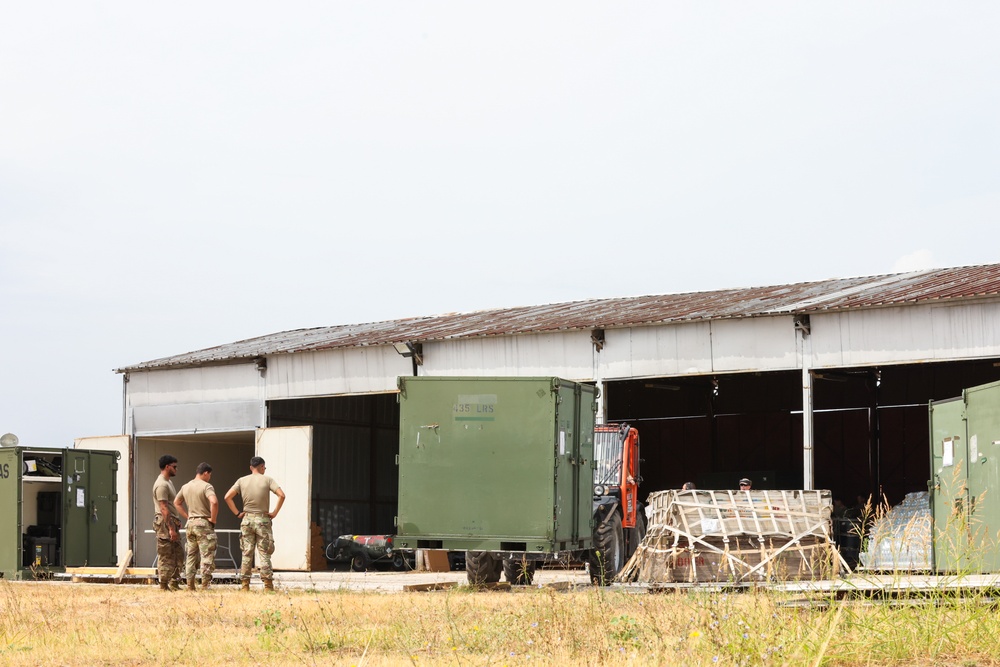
[100,624]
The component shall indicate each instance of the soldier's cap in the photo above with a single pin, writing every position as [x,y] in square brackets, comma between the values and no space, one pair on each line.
[745,481]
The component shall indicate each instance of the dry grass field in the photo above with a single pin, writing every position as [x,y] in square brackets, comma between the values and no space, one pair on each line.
[95,624]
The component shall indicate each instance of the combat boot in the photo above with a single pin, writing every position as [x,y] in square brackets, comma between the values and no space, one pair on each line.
[191,584]
[164,586]
[175,585]
[268,584]
[245,585]
[205,583]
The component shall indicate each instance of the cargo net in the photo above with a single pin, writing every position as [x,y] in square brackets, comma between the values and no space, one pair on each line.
[735,536]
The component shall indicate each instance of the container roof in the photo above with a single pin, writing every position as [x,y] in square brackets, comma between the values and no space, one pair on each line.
[899,289]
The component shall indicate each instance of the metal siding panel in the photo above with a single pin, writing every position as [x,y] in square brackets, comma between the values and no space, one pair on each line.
[887,336]
[236,382]
[567,355]
[901,335]
[674,349]
[760,344]
[826,338]
[196,418]
[966,331]
[334,372]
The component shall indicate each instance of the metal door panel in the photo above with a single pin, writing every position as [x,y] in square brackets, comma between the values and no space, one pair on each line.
[124,505]
[982,411]
[10,511]
[287,452]
[76,512]
[949,467]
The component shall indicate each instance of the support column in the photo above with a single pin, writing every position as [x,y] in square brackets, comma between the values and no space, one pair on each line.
[597,340]
[808,451]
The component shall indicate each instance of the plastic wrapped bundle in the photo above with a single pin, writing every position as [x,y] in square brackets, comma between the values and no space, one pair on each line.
[901,538]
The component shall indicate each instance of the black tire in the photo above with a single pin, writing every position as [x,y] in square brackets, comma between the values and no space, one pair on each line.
[360,562]
[399,562]
[608,555]
[518,571]
[482,567]
[636,533]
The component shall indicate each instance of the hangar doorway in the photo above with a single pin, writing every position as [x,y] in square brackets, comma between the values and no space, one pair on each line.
[355,440]
[870,426]
[229,455]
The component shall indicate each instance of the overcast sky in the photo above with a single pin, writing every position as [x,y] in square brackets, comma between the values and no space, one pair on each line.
[180,175]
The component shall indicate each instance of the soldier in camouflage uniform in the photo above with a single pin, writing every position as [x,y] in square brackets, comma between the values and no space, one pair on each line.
[166,525]
[201,514]
[255,528]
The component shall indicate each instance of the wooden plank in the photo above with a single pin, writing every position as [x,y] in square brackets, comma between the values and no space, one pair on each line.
[121,568]
[436,586]
[559,585]
[112,571]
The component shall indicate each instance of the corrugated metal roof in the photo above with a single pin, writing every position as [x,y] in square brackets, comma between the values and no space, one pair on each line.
[970,282]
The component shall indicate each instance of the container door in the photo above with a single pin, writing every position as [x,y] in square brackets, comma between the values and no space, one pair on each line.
[10,511]
[949,485]
[90,525]
[982,415]
[287,452]
[574,501]
[119,444]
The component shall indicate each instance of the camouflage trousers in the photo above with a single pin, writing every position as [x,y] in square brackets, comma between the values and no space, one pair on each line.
[255,533]
[201,546]
[169,554]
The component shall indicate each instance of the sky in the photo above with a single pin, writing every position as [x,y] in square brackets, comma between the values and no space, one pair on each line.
[175,176]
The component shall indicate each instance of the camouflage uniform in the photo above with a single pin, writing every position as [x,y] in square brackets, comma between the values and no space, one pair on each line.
[255,533]
[201,545]
[199,496]
[169,554]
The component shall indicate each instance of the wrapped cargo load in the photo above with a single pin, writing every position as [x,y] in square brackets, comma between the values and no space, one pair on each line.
[736,536]
[901,538]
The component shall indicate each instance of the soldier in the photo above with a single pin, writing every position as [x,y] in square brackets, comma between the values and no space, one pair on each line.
[166,524]
[255,528]
[201,514]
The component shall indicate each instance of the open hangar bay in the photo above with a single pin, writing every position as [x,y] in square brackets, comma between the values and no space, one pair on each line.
[811,385]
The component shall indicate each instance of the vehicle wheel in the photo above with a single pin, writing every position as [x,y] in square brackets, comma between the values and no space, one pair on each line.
[360,562]
[482,567]
[399,563]
[608,555]
[636,534]
[518,571]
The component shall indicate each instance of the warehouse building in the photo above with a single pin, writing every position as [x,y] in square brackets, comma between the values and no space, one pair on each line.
[811,385]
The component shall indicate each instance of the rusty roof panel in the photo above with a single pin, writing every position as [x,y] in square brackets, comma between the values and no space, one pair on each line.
[969,282]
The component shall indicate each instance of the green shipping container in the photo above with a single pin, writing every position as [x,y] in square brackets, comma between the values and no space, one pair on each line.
[965,488]
[495,464]
[59,510]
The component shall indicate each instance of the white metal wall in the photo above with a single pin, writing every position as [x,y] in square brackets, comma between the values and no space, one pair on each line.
[568,355]
[906,335]
[195,400]
[364,370]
